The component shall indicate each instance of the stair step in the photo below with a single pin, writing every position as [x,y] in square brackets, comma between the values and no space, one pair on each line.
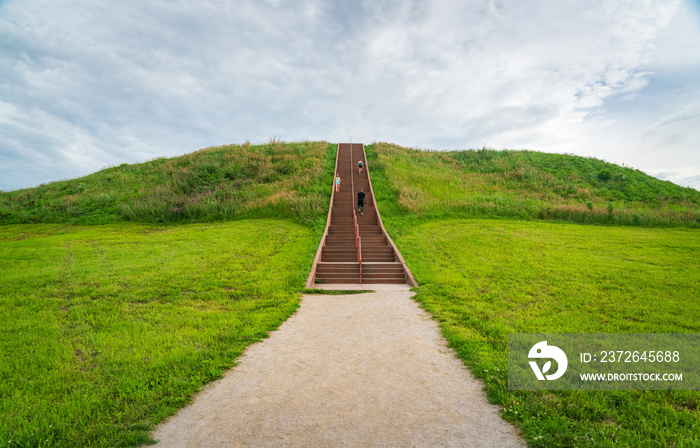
[378,250]
[338,275]
[339,280]
[388,271]
[332,272]
[384,280]
[380,275]
[338,265]
[367,241]
[342,258]
[382,265]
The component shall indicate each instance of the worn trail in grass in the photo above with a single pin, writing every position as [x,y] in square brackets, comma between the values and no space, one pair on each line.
[346,370]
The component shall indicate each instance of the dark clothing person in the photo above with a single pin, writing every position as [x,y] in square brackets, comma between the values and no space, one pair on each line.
[361,202]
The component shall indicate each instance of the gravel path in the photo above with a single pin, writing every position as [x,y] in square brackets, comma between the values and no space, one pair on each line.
[363,370]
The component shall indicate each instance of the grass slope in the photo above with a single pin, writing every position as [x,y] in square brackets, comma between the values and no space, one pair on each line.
[109,329]
[279,180]
[527,185]
[485,278]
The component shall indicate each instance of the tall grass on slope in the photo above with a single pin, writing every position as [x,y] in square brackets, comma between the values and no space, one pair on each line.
[288,180]
[484,279]
[526,185]
[107,330]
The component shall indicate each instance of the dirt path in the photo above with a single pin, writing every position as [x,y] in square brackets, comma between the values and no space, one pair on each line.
[360,370]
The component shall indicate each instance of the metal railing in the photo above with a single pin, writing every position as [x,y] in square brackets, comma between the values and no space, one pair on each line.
[358,240]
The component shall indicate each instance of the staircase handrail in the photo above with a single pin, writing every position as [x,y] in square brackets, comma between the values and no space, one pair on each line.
[354,214]
[359,255]
[358,241]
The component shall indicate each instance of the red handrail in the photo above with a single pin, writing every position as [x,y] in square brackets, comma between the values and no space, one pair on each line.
[358,241]
[359,255]
[354,224]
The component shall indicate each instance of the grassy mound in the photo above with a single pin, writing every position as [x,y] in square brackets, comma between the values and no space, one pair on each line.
[526,185]
[283,180]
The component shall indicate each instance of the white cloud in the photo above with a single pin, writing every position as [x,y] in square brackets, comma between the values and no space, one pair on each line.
[689,112]
[92,84]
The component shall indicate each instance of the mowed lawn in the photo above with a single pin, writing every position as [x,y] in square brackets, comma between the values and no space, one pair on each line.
[105,330]
[483,279]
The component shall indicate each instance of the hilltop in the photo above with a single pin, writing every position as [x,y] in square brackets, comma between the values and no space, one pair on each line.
[525,185]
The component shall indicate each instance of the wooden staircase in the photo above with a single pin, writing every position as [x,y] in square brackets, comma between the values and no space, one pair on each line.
[355,247]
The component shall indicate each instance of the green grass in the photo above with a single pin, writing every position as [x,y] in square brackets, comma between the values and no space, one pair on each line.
[483,279]
[109,329]
[277,180]
[336,292]
[525,185]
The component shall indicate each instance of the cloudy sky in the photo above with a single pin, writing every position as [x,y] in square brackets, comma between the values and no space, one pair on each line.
[87,84]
